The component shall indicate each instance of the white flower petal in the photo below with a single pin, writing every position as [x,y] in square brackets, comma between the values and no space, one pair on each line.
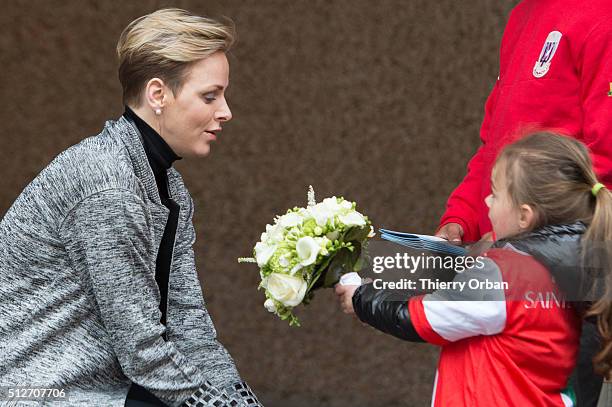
[275,233]
[353,219]
[263,252]
[283,261]
[307,249]
[371,234]
[270,305]
[295,269]
[288,290]
[320,214]
[289,220]
[346,205]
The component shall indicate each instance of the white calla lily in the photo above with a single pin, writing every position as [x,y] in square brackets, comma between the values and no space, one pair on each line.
[307,249]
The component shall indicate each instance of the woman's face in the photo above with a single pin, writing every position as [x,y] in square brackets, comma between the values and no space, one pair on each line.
[191,120]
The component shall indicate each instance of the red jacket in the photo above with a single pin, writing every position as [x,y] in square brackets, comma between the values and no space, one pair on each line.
[555,73]
[516,351]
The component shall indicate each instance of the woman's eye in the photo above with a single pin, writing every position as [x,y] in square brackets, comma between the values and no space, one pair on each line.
[209,97]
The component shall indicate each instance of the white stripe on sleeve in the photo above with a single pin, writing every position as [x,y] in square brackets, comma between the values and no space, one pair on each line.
[460,313]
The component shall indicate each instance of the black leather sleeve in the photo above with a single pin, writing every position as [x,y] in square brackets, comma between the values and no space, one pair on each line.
[378,309]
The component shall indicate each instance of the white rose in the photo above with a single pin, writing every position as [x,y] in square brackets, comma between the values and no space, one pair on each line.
[270,305]
[289,290]
[353,219]
[290,220]
[307,249]
[263,252]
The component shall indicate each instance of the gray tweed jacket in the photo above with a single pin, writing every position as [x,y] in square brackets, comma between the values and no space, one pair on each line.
[79,305]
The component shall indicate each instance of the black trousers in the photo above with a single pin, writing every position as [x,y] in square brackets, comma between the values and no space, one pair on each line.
[138,396]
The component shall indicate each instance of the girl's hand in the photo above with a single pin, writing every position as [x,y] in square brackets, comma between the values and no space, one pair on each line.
[345,296]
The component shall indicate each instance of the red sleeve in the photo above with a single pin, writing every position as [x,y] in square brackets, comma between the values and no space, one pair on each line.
[421,324]
[462,205]
[595,67]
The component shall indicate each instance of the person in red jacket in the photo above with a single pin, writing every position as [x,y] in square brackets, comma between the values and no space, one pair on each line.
[555,73]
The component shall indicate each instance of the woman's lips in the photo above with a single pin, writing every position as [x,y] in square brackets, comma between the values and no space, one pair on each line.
[211,135]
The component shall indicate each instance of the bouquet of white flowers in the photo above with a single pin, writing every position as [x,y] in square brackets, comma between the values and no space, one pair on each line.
[309,248]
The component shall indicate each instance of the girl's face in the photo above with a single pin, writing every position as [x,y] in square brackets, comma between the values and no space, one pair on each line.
[504,215]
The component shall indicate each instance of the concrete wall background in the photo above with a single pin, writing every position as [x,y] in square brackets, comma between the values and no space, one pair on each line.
[379,102]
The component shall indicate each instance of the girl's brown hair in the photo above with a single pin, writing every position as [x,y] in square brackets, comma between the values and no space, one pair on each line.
[554,175]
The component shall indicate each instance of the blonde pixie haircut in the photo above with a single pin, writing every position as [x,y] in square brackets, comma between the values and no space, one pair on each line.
[164,44]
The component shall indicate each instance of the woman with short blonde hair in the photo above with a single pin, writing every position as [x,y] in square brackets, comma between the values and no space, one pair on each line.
[97,252]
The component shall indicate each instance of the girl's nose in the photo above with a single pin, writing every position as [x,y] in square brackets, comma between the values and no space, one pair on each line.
[488,200]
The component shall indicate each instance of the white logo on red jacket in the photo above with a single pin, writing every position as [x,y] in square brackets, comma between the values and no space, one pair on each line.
[548,52]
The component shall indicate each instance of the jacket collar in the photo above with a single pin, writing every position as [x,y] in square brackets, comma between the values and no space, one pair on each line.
[558,248]
[126,131]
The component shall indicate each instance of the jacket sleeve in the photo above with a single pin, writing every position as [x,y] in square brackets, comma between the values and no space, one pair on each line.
[441,317]
[107,237]
[378,309]
[462,206]
[595,67]
[196,335]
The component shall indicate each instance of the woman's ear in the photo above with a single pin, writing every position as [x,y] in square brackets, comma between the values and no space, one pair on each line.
[155,93]
[527,217]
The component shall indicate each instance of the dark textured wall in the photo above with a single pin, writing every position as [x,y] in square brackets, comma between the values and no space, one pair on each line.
[378,101]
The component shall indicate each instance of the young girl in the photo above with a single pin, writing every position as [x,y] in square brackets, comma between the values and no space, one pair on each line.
[510,336]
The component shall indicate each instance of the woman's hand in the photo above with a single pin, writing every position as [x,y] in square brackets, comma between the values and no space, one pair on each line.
[345,296]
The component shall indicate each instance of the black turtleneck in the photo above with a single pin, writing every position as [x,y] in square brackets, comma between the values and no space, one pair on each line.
[160,157]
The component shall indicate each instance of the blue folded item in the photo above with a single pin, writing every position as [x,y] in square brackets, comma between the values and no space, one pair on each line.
[424,242]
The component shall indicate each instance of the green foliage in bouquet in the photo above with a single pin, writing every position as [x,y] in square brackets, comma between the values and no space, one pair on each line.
[307,249]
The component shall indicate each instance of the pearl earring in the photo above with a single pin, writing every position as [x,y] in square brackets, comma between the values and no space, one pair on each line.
[158,111]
